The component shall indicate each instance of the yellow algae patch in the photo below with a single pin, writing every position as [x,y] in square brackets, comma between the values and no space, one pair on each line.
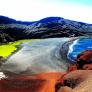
[7,49]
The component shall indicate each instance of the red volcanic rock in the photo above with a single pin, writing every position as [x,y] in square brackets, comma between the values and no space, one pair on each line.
[72,68]
[87,67]
[86,55]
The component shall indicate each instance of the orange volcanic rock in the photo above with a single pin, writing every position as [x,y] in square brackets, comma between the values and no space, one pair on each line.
[49,82]
[45,82]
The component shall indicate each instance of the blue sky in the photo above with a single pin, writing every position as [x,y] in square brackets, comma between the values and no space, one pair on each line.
[32,10]
[80,2]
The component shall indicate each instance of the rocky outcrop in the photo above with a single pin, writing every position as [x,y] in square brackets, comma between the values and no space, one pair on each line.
[4,38]
[84,84]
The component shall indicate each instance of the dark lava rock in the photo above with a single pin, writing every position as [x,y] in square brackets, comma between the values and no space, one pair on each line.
[50,27]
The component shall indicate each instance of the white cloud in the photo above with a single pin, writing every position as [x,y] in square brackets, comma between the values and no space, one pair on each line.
[31,10]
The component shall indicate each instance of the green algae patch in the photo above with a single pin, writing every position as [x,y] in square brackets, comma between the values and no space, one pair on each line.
[8,49]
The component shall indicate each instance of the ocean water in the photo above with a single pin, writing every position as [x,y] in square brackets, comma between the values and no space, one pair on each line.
[78,46]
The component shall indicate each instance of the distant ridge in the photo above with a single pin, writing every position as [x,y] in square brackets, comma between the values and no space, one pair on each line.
[50,27]
[7,20]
